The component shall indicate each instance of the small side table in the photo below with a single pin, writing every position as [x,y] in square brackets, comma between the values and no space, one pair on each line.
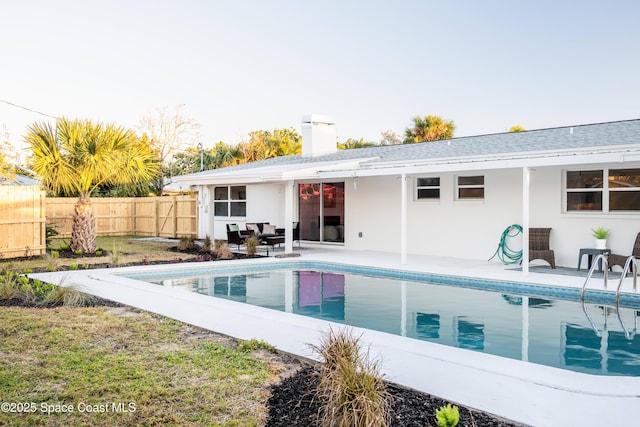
[591,252]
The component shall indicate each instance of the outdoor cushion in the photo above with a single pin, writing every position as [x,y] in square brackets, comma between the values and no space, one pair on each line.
[254,228]
[269,229]
[233,227]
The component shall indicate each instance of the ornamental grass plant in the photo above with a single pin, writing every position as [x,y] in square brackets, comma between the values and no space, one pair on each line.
[350,387]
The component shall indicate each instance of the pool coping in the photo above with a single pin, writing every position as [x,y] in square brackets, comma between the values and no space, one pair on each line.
[554,396]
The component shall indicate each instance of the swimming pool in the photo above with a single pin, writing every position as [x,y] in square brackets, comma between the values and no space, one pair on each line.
[539,324]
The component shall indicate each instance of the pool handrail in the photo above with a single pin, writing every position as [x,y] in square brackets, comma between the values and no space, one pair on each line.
[605,269]
[629,264]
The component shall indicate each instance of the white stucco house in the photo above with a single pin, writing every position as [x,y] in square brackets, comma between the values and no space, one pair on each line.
[449,198]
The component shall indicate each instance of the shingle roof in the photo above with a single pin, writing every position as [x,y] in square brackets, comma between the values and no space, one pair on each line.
[569,138]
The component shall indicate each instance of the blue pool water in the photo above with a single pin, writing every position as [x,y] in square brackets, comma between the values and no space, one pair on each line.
[544,325]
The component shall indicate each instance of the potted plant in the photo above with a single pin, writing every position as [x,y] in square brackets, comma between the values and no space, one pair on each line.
[601,235]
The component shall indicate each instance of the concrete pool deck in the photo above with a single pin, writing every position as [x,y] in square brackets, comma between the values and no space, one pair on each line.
[524,392]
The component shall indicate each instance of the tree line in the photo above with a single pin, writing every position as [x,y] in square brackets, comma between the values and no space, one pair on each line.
[82,158]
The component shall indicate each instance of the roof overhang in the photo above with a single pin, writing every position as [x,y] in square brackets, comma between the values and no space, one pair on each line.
[568,158]
[372,166]
[273,173]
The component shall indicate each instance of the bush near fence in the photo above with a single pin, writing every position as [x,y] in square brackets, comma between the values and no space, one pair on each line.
[166,216]
[22,221]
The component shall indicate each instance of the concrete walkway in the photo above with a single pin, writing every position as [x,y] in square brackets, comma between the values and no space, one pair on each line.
[524,392]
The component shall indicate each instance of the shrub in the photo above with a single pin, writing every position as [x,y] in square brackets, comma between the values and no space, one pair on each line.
[53,261]
[350,388]
[73,266]
[78,252]
[41,289]
[70,297]
[252,245]
[447,416]
[222,250]
[51,232]
[99,252]
[186,243]
[8,268]
[116,256]
[8,287]
[206,244]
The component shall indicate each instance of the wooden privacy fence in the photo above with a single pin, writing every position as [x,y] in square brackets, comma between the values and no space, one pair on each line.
[166,216]
[22,221]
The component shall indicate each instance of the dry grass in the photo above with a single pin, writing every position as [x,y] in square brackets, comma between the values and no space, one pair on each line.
[128,250]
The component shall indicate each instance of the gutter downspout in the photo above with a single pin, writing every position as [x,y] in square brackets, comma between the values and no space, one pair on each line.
[403,219]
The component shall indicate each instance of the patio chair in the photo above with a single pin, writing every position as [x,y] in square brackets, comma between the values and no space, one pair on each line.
[234,235]
[615,259]
[539,246]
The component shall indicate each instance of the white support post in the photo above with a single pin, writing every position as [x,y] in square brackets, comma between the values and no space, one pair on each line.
[288,216]
[526,174]
[403,219]
[203,213]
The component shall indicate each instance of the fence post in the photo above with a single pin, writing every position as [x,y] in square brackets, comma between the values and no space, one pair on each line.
[175,216]
[134,231]
[156,218]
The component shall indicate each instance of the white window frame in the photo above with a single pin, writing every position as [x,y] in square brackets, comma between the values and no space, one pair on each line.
[230,201]
[418,187]
[605,190]
[459,186]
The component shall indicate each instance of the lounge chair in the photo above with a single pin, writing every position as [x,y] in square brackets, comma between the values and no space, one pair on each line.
[234,235]
[539,246]
[615,259]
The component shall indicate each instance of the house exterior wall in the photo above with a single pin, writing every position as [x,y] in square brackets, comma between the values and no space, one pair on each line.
[472,228]
[572,231]
[453,228]
[446,227]
[265,203]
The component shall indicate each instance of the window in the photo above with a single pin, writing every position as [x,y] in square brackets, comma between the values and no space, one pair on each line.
[603,190]
[624,189]
[584,190]
[428,188]
[230,201]
[470,187]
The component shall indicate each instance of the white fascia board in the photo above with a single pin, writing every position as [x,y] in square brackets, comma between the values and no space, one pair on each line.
[477,163]
[315,170]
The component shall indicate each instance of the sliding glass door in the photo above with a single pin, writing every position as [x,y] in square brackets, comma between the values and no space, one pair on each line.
[321,207]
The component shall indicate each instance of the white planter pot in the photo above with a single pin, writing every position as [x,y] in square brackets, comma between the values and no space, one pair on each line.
[601,243]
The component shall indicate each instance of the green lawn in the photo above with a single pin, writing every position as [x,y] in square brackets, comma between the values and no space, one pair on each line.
[118,366]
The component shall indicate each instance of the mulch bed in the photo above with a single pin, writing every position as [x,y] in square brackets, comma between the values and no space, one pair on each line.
[293,404]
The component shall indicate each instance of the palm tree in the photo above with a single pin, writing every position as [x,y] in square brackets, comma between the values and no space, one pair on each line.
[77,156]
[429,128]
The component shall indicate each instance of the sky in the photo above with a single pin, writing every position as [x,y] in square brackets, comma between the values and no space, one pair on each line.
[245,65]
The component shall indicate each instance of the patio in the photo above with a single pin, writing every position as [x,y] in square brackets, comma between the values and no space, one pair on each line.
[524,392]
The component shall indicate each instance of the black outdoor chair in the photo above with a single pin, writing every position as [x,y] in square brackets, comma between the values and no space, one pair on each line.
[234,235]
